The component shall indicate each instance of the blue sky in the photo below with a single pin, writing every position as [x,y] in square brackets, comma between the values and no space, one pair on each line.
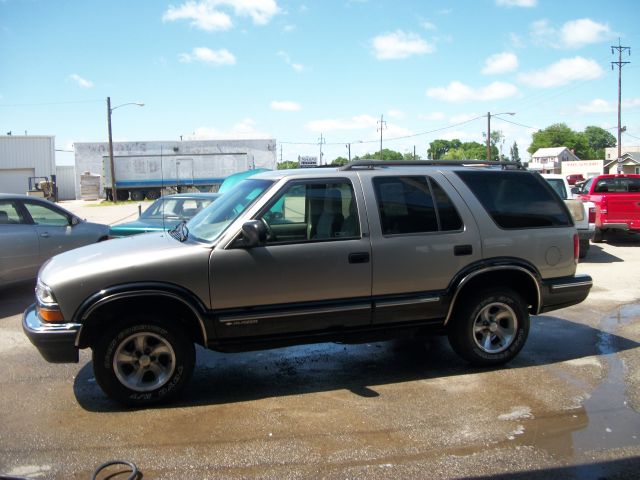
[294,71]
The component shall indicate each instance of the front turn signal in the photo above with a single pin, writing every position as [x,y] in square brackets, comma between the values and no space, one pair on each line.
[50,315]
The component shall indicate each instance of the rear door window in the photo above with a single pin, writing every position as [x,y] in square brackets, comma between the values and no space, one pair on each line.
[517,199]
[414,204]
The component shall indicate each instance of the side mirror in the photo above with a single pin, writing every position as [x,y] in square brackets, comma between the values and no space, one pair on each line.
[575,190]
[75,221]
[254,233]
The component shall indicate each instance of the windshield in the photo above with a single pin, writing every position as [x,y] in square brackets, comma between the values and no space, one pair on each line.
[209,224]
[175,208]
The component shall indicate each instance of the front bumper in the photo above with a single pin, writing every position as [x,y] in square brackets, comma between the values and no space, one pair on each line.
[563,292]
[56,342]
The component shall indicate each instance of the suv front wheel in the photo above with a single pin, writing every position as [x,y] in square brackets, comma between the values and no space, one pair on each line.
[489,327]
[143,361]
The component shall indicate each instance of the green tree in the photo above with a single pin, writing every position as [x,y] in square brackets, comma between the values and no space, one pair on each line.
[387,155]
[560,135]
[340,161]
[438,148]
[598,139]
[288,164]
[515,154]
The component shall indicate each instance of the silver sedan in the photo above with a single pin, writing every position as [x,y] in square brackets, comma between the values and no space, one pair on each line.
[32,230]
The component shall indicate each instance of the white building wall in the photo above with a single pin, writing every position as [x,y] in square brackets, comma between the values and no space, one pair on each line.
[89,156]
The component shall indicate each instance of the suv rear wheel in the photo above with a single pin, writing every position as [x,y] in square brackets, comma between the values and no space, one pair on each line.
[143,361]
[489,327]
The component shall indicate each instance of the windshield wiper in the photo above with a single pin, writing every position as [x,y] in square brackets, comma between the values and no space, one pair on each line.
[180,232]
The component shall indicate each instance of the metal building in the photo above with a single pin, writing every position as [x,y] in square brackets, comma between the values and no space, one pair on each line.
[24,156]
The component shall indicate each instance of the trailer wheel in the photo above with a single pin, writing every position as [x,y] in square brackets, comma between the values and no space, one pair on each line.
[137,195]
[153,194]
[122,195]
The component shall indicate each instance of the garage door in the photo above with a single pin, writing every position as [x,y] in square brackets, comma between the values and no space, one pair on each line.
[15,180]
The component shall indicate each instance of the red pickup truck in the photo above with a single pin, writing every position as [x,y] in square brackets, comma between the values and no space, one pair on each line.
[617,201]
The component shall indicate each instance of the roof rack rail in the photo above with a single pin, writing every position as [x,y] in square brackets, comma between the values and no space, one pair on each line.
[371,164]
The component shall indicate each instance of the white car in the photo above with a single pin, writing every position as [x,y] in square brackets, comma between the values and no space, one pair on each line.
[583,213]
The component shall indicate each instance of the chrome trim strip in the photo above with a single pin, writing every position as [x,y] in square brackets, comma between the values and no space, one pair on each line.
[140,293]
[571,285]
[292,313]
[490,269]
[403,303]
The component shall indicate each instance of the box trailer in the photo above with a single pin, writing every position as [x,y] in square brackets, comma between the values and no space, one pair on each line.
[145,176]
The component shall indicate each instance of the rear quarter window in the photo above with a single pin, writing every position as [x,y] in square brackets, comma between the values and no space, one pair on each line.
[517,199]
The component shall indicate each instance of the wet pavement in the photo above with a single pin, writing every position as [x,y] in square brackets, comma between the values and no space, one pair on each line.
[566,407]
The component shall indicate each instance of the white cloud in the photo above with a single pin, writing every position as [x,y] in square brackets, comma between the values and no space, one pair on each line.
[394,113]
[562,73]
[427,25]
[358,122]
[517,3]
[463,117]
[244,129]
[207,14]
[82,82]
[206,55]
[573,34]
[398,45]
[599,105]
[298,67]
[459,92]
[285,105]
[500,63]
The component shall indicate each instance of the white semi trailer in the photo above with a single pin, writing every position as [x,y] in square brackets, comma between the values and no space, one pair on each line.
[144,176]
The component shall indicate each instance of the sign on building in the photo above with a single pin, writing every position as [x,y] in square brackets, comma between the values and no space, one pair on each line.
[305,161]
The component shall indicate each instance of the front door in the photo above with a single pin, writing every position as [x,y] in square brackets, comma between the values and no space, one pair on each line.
[312,274]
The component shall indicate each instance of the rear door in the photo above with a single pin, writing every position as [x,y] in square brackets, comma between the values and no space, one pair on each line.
[422,236]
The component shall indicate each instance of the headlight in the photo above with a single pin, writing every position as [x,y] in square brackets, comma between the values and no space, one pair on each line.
[47,307]
[44,294]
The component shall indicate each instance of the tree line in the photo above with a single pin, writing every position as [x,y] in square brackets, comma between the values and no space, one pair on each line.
[588,144]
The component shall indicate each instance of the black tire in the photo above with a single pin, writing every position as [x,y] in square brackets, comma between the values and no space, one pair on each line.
[137,195]
[153,194]
[489,327]
[156,361]
[584,248]
[122,195]
[598,236]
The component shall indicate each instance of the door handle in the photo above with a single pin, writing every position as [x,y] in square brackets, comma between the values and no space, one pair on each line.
[460,250]
[45,234]
[359,257]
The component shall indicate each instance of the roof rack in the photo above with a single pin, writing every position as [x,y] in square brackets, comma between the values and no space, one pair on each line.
[371,164]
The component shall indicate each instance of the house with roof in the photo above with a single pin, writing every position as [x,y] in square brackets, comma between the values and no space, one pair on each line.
[628,163]
[549,160]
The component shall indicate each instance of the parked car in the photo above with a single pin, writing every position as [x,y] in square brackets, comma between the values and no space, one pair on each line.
[165,213]
[617,201]
[583,213]
[32,230]
[366,252]
[575,178]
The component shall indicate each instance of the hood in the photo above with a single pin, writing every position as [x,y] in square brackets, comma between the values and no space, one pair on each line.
[150,258]
[141,226]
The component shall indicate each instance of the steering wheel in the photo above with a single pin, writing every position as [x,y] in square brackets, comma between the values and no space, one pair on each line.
[270,235]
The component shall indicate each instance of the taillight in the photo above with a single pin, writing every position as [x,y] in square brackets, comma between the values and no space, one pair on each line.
[592,214]
[603,206]
[576,248]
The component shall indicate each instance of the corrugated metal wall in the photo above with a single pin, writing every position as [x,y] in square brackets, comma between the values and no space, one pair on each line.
[32,154]
[66,180]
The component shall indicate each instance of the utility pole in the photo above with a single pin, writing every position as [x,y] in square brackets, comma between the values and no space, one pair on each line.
[321,142]
[488,136]
[382,124]
[620,64]
[280,153]
[414,152]
[113,170]
[348,145]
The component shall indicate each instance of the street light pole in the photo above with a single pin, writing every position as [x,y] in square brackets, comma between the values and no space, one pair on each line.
[489,131]
[110,110]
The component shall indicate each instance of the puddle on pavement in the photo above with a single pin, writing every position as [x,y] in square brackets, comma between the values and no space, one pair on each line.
[604,420]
